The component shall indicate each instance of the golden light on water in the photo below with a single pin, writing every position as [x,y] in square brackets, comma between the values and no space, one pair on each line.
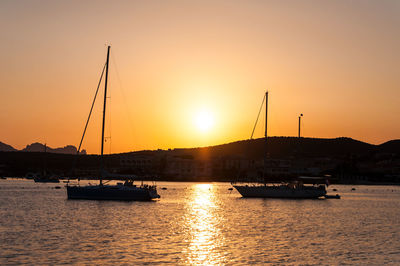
[203,234]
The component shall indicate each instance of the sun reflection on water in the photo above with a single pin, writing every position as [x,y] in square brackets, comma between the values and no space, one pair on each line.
[202,227]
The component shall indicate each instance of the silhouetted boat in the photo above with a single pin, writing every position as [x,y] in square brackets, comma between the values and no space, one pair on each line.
[30,176]
[292,189]
[46,179]
[287,190]
[121,191]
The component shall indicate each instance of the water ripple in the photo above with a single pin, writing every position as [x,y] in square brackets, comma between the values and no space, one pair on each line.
[198,224]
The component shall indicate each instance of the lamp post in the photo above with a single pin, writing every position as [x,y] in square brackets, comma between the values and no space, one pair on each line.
[300,124]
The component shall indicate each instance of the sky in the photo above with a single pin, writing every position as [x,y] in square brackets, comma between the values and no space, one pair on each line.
[193,73]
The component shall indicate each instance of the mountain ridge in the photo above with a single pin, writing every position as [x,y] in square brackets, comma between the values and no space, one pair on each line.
[6,147]
[39,147]
[284,147]
[277,146]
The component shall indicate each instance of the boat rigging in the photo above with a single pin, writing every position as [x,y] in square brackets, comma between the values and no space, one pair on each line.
[122,191]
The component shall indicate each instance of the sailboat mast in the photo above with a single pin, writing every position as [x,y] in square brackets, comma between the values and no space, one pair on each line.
[266,114]
[104,113]
[266,135]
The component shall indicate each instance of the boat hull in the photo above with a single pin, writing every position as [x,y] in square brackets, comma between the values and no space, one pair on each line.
[285,192]
[111,193]
[46,180]
[337,196]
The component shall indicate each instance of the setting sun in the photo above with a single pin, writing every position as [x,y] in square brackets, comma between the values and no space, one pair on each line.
[204,120]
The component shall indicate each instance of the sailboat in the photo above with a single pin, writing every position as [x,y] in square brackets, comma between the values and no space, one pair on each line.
[295,189]
[121,191]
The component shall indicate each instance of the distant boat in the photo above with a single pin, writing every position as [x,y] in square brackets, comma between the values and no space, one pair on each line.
[337,196]
[122,191]
[30,176]
[46,179]
[295,189]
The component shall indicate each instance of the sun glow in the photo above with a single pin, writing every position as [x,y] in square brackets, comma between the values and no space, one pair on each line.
[204,120]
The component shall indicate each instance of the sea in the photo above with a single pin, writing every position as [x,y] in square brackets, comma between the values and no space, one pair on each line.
[198,224]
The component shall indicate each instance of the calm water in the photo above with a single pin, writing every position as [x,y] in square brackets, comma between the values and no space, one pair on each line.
[200,224]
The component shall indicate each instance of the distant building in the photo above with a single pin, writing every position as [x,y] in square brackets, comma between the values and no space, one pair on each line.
[278,167]
[182,167]
[139,163]
[87,172]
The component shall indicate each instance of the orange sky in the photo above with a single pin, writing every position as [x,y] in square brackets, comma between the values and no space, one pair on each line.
[337,62]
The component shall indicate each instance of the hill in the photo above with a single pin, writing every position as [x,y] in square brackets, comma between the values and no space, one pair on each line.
[39,147]
[392,146]
[281,147]
[6,147]
[347,159]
